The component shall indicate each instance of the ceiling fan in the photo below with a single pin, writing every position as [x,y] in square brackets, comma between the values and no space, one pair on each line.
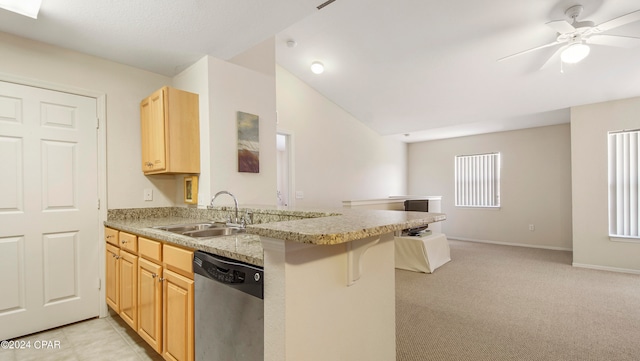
[576,36]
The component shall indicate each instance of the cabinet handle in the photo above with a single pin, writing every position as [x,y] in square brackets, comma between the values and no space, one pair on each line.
[116,257]
[153,275]
[110,236]
[160,279]
[124,241]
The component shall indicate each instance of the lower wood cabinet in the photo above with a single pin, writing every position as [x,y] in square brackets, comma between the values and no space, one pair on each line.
[129,288]
[178,317]
[113,277]
[150,303]
[150,285]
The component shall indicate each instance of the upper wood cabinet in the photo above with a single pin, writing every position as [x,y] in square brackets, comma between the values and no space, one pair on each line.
[170,128]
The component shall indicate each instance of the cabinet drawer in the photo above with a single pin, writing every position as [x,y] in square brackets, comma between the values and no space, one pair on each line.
[111,236]
[129,242]
[179,260]
[151,250]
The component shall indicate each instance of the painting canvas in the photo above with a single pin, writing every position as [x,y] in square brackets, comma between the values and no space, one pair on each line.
[248,143]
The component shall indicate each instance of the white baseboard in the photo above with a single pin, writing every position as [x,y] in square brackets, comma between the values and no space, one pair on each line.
[510,244]
[574,264]
[605,268]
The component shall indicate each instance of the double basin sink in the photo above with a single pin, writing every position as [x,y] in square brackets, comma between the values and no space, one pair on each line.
[202,230]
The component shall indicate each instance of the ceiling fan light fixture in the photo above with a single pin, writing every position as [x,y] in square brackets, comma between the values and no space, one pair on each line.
[575,53]
[317,67]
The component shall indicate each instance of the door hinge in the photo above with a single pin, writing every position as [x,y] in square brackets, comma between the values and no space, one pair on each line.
[98,203]
[99,284]
[97,123]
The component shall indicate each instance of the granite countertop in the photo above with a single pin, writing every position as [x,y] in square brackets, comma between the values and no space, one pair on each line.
[323,227]
[345,225]
[242,247]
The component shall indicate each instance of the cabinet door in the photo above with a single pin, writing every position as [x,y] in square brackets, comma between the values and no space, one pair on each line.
[152,124]
[178,342]
[113,278]
[150,303]
[128,288]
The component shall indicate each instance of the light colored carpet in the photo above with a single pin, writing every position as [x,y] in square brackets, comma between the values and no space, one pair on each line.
[495,302]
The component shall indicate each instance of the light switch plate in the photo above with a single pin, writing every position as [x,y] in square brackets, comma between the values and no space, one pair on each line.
[299,194]
[148,194]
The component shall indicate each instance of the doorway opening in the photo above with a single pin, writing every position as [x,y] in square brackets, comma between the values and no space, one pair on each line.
[284,169]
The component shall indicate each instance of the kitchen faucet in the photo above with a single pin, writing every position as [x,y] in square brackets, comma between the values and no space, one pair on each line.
[235,200]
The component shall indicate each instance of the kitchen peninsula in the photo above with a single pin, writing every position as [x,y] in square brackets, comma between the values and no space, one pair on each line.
[329,291]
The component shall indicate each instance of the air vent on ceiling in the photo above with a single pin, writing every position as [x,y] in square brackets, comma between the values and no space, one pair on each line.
[319,7]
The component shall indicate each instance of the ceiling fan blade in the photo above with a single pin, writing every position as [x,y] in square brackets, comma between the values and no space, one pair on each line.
[553,59]
[561,26]
[614,40]
[529,50]
[619,21]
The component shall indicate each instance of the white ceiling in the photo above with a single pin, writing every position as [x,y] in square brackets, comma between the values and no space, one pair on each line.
[423,68]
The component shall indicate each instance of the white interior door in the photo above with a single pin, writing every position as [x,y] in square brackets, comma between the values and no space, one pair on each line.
[49,221]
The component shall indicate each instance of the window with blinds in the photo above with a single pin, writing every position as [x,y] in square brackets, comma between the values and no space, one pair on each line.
[624,155]
[477,179]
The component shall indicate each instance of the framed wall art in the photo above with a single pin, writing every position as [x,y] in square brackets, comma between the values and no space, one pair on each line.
[248,143]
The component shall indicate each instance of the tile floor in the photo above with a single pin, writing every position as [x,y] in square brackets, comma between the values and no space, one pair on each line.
[106,338]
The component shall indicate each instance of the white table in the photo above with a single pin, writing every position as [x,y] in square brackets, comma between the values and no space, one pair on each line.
[422,254]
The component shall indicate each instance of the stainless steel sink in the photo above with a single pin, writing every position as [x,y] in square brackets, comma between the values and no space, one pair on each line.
[201,230]
[213,232]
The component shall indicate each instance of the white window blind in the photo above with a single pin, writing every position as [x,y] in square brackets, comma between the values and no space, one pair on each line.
[624,155]
[477,180]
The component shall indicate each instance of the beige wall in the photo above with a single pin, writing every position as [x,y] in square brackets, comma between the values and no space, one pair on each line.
[225,88]
[589,126]
[535,186]
[195,79]
[124,87]
[234,88]
[336,157]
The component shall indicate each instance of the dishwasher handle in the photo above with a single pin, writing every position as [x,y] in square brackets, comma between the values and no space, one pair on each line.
[244,277]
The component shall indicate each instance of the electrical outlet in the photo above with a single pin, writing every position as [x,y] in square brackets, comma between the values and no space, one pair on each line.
[532,227]
[148,194]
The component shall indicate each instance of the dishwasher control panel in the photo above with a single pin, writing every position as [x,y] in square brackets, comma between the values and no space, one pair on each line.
[225,275]
[241,276]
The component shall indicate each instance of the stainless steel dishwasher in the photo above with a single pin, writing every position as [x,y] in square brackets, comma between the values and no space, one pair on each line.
[229,309]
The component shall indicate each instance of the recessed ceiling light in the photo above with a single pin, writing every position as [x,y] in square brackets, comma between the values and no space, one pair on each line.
[28,8]
[292,43]
[317,67]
